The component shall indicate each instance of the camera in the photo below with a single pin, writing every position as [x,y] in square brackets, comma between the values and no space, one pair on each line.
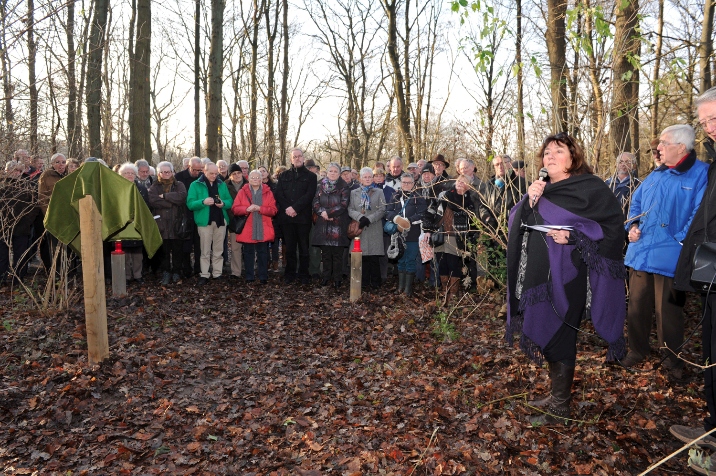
[217,200]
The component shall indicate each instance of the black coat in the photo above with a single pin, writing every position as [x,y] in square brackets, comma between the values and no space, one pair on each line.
[170,208]
[415,207]
[18,209]
[296,188]
[702,229]
[335,231]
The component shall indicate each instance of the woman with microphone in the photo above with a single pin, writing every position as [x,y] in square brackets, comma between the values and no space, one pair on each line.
[564,257]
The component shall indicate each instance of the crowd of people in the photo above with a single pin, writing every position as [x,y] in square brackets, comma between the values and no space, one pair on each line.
[575,243]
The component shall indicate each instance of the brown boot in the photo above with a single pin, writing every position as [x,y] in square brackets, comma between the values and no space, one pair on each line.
[558,408]
[453,288]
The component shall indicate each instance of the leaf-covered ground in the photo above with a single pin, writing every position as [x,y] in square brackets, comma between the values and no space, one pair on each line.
[242,380]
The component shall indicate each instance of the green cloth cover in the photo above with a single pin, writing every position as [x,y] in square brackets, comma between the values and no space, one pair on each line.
[125,216]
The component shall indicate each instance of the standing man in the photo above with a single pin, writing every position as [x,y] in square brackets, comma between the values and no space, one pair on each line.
[395,170]
[413,170]
[314,252]
[623,183]
[702,229]
[187,177]
[143,173]
[209,199]
[661,212]
[294,194]
[46,184]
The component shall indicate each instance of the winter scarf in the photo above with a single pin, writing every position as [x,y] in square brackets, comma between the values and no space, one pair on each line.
[365,196]
[327,185]
[166,183]
[257,228]
[538,268]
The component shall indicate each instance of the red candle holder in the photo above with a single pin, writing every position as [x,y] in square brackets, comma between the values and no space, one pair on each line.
[356,245]
[117,248]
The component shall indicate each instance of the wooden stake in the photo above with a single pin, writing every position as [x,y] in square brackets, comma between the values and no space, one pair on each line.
[356,274]
[93,276]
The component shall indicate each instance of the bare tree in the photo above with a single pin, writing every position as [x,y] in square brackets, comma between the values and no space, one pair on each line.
[139,68]
[557,52]
[94,75]
[706,46]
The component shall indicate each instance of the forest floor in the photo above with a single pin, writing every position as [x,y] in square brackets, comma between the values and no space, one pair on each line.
[276,380]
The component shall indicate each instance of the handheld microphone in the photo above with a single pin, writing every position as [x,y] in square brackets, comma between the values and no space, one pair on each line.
[543,175]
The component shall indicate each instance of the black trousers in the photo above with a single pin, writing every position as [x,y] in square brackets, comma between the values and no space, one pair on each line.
[190,245]
[563,346]
[371,271]
[332,260]
[171,256]
[296,237]
[20,244]
[708,342]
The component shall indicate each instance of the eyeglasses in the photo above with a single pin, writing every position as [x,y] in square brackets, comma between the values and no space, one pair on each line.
[165,171]
[708,123]
[665,143]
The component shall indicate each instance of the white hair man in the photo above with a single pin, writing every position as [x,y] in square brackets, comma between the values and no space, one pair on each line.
[187,177]
[144,173]
[623,183]
[703,227]
[395,170]
[661,211]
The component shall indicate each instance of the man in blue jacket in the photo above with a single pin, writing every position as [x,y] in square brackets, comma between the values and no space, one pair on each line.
[661,212]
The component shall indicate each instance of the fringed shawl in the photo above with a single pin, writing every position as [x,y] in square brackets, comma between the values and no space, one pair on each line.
[585,203]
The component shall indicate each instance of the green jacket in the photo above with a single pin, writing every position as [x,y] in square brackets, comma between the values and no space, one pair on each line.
[125,215]
[198,192]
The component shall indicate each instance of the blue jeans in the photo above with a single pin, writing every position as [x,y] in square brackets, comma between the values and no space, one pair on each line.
[256,252]
[406,264]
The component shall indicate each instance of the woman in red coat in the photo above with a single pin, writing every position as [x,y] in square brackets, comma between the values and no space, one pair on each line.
[256,200]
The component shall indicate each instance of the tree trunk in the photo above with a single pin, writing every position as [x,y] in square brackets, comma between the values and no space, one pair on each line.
[283,122]
[706,46]
[253,101]
[401,95]
[520,85]
[140,146]
[94,76]
[31,62]
[625,92]
[597,106]
[657,72]
[216,69]
[270,81]
[197,79]
[557,52]
[73,131]
[8,88]
[81,91]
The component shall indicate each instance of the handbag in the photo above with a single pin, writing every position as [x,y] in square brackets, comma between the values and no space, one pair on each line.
[396,250]
[438,238]
[390,228]
[354,229]
[240,221]
[703,274]
[182,229]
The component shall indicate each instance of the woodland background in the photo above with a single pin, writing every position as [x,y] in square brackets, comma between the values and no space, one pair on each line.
[349,80]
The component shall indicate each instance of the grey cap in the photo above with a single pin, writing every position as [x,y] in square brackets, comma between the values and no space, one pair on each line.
[412,165]
[345,169]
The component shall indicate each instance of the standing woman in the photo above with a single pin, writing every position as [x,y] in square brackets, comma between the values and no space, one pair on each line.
[167,197]
[256,200]
[330,232]
[409,204]
[132,248]
[367,207]
[234,184]
[551,274]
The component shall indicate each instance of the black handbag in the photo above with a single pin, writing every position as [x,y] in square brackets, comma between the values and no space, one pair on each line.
[182,227]
[240,223]
[438,238]
[704,272]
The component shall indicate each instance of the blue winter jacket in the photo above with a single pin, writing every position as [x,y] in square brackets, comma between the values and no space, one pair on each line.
[667,201]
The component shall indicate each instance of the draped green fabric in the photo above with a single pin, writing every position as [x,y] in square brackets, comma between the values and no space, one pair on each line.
[125,216]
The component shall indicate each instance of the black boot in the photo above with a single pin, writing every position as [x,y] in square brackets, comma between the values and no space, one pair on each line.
[554,369]
[557,408]
[409,277]
[401,282]
[166,278]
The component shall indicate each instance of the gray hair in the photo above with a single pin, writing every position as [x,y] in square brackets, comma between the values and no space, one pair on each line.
[335,165]
[255,171]
[629,155]
[221,161]
[52,159]
[407,175]
[681,134]
[165,164]
[196,161]
[141,163]
[365,170]
[397,157]
[185,161]
[708,96]
[242,162]
[128,165]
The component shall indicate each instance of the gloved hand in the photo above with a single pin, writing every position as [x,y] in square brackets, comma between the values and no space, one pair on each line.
[364,222]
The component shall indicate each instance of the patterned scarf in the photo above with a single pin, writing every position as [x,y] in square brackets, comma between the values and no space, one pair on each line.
[365,197]
[327,185]
[166,183]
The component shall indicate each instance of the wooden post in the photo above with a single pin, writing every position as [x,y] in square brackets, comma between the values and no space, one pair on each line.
[119,277]
[356,270]
[93,276]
